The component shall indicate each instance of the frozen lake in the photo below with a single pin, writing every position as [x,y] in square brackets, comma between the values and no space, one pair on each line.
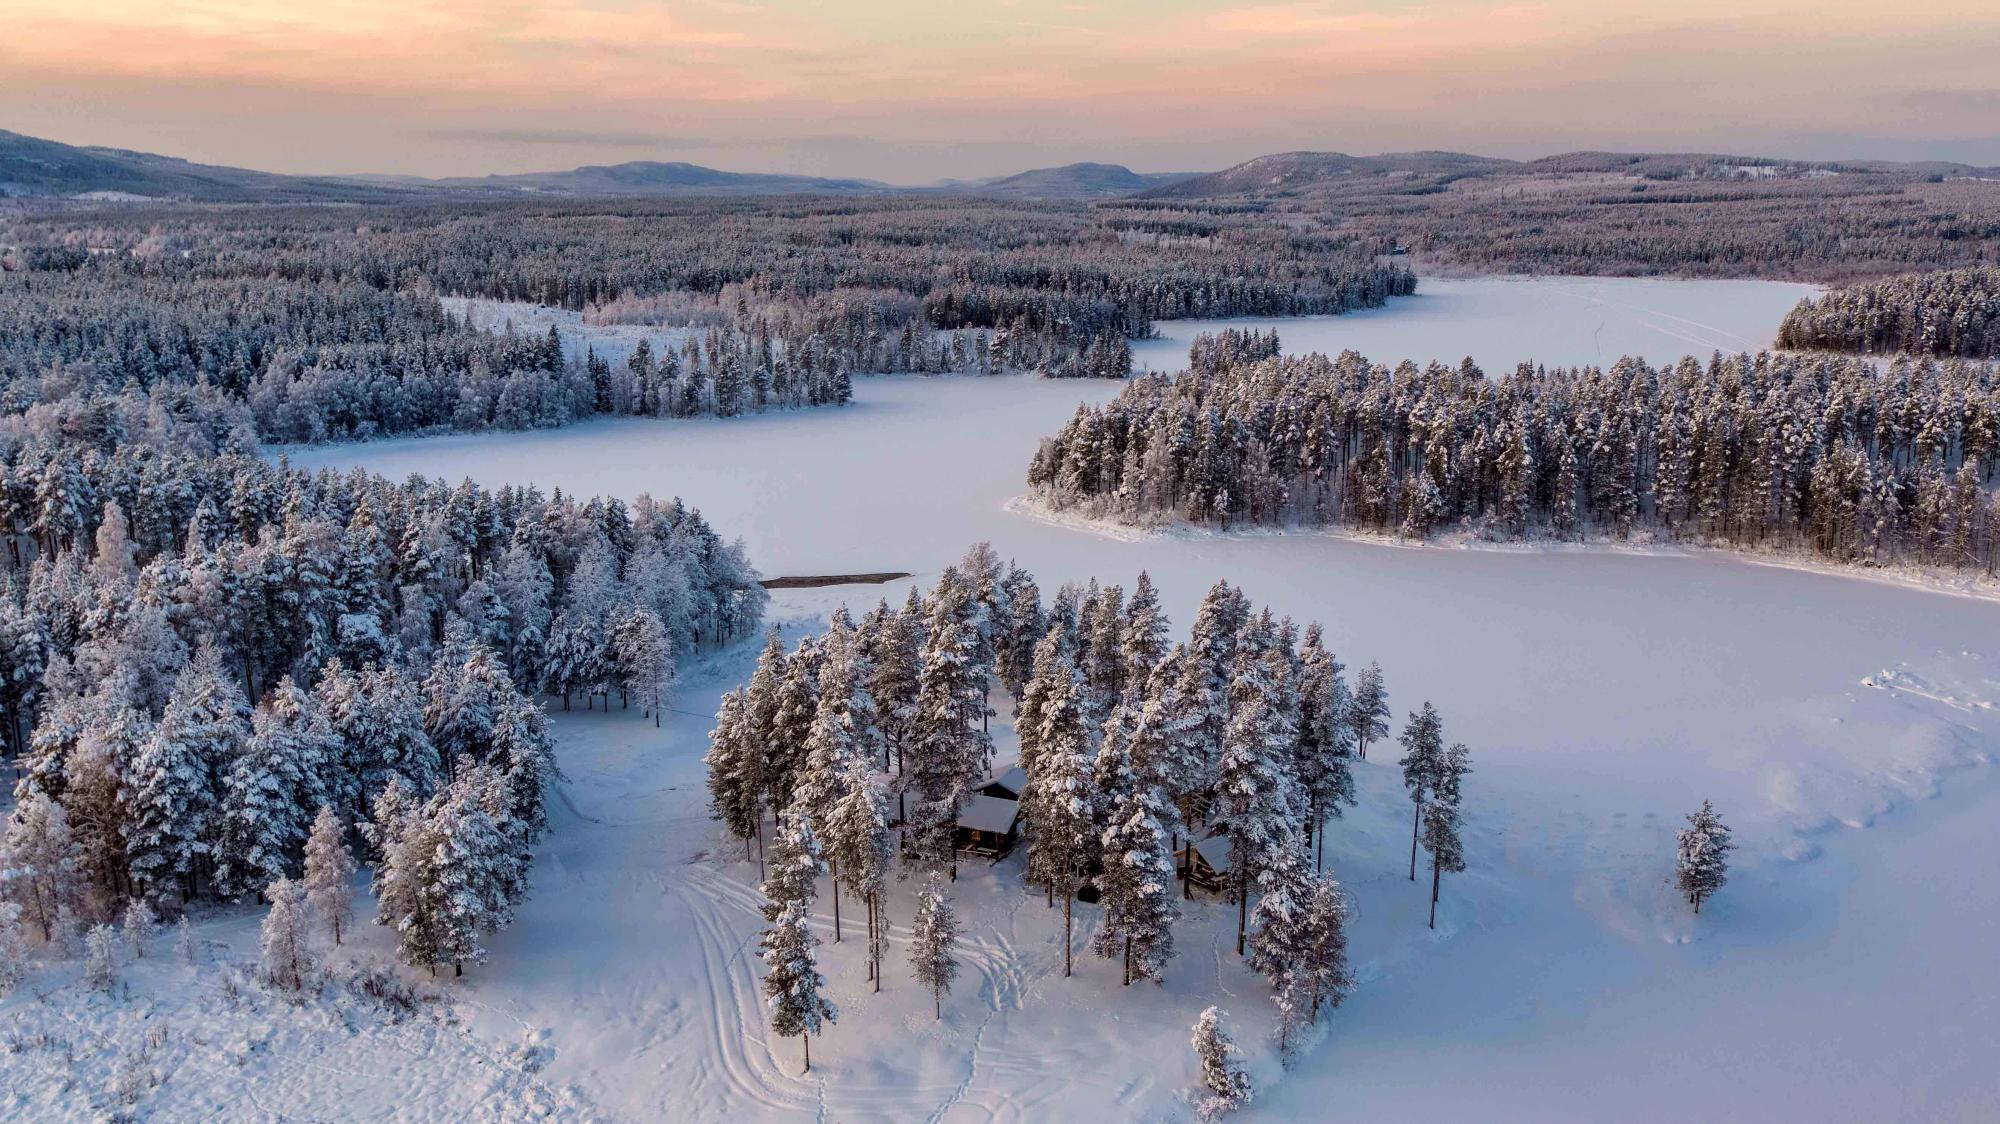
[1843,975]
[1502,321]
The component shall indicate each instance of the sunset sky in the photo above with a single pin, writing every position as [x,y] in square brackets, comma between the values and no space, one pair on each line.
[911,91]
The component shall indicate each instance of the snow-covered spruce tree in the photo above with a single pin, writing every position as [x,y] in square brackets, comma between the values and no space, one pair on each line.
[1026,627]
[950,749]
[895,651]
[40,862]
[1137,885]
[1256,795]
[270,792]
[1702,859]
[793,987]
[329,872]
[1103,662]
[1057,801]
[759,723]
[1325,739]
[792,712]
[1228,1087]
[1144,643]
[934,940]
[100,969]
[286,939]
[1368,709]
[1422,762]
[176,780]
[860,849]
[736,772]
[645,660]
[1441,820]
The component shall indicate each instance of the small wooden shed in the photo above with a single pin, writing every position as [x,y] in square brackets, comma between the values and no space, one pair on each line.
[988,826]
[1211,858]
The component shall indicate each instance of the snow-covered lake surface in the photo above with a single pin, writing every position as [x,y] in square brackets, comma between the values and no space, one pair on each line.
[1843,974]
[1502,321]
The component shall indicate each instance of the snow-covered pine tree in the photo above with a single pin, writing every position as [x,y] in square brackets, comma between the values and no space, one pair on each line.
[329,871]
[1422,761]
[1221,1068]
[176,779]
[860,849]
[1441,819]
[950,749]
[40,862]
[1702,860]
[270,791]
[644,658]
[1057,801]
[934,941]
[1145,641]
[285,941]
[1026,627]
[760,712]
[1256,796]
[1368,709]
[1325,739]
[792,984]
[13,947]
[736,772]
[895,650]
[1137,885]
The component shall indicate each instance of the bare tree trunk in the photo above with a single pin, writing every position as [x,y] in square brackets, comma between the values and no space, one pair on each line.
[807,1038]
[1068,893]
[1128,961]
[833,870]
[1416,819]
[1242,908]
[1435,875]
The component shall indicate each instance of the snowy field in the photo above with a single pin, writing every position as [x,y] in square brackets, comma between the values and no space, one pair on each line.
[1843,975]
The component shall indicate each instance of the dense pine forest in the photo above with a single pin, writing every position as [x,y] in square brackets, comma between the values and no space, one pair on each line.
[204,654]
[1820,453]
[1952,312]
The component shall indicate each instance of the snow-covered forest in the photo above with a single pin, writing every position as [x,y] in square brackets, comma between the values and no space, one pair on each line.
[1817,453]
[1949,312]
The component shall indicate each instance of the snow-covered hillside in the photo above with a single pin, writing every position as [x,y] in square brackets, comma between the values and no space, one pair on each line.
[1842,975]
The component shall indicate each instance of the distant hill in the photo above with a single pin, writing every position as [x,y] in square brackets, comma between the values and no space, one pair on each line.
[647,177]
[35,167]
[1287,172]
[1071,181]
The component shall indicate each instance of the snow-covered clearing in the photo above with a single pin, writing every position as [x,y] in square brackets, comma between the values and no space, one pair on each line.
[1842,975]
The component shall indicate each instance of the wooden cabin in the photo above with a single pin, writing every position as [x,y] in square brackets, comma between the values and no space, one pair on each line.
[1007,786]
[1211,859]
[988,827]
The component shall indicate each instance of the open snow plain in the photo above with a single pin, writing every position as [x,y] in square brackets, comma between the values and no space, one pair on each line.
[1843,975]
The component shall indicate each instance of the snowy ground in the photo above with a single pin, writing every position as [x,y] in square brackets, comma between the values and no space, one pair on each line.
[1842,975]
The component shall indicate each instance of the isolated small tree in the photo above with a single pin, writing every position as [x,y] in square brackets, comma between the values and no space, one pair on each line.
[13,947]
[100,971]
[184,941]
[41,862]
[1703,864]
[1441,820]
[138,925]
[1423,755]
[1221,1068]
[792,983]
[1367,708]
[285,941]
[933,938]
[329,875]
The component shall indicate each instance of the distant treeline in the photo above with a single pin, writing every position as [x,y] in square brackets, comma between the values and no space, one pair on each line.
[322,321]
[1816,452]
[1952,312]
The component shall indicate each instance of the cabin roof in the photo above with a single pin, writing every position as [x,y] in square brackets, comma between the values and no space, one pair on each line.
[1013,779]
[990,813]
[1215,851]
